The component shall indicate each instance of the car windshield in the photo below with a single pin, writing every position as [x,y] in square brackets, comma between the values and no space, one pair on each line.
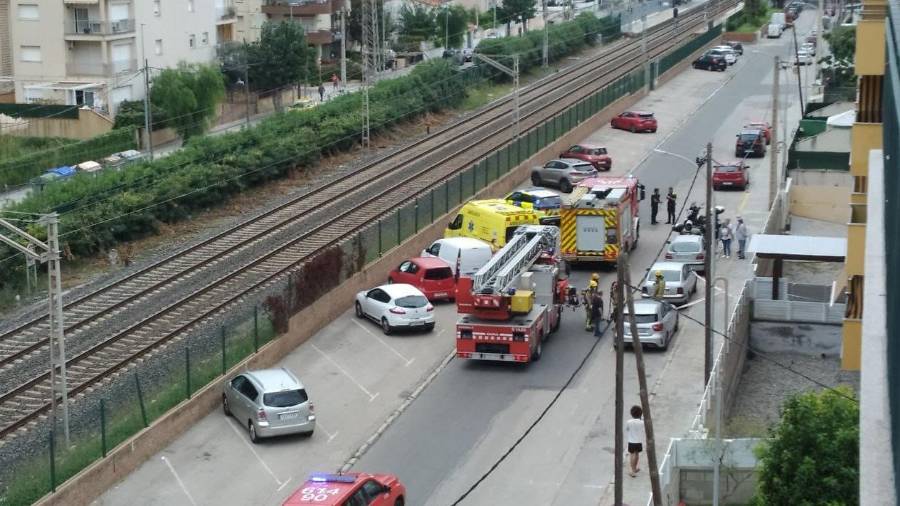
[411,301]
[726,168]
[439,273]
[285,398]
[748,137]
[669,276]
[685,247]
[598,151]
[548,202]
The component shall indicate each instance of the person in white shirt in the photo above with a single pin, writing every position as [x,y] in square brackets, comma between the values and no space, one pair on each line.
[634,434]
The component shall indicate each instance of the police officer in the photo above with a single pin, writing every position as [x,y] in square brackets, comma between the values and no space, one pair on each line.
[655,200]
[659,286]
[670,206]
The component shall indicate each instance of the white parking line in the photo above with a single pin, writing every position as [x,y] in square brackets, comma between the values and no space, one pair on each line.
[386,345]
[323,429]
[243,438]
[178,479]
[347,374]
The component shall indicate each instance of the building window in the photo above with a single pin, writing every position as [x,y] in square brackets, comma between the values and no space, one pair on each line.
[204,38]
[158,47]
[31,53]
[157,9]
[190,5]
[192,41]
[29,12]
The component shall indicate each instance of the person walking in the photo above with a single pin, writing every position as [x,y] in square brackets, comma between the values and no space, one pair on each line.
[334,81]
[655,200]
[597,311]
[671,199]
[725,235]
[634,434]
[321,93]
[741,234]
[613,303]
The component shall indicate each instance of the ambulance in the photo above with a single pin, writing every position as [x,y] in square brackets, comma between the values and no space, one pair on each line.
[600,219]
[494,221]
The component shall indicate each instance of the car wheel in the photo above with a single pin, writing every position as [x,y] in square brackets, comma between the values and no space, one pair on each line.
[225,408]
[665,343]
[254,437]
[308,434]
[555,326]
[633,129]
[399,502]
[429,328]
[653,131]
[390,281]
[359,311]
[536,179]
[676,326]
[537,351]
[385,326]
[565,186]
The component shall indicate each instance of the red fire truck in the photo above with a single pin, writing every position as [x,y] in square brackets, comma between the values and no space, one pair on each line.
[515,301]
[600,217]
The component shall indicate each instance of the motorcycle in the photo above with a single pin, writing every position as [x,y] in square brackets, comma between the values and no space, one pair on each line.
[695,223]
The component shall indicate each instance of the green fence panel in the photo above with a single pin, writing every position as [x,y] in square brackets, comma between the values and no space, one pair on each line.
[368,238]
[532,142]
[425,206]
[454,197]
[389,229]
[543,135]
[503,159]
[482,170]
[491,164]
[408,216]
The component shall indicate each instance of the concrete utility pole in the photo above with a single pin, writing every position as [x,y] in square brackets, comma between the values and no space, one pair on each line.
[773,156]
[49,253]
[647,75]
[247,90]
[343,48]
[642,382]
[709,239]
[148,114]
[546,48]
[369,61]
[819,36]
[620,381]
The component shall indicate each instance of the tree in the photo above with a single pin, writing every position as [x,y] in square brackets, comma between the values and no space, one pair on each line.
[519,10]
[837,68]
[188,95]
[812,457]
[417,24]
[451,26]
[280,58]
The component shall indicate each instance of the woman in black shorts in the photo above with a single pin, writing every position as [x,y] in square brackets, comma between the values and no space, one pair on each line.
[634,434]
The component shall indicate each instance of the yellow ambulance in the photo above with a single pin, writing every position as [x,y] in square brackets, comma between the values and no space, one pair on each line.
[492,221]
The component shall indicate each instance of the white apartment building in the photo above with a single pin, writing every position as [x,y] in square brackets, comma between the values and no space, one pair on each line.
[91,52]
[319,19]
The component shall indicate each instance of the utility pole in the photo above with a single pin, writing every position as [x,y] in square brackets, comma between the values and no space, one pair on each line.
[343,48]
[247,90]
[647,75]
[773,158]
[709,239]
[369,61]
[49,253]
[546,48]
[620,372]
[447,25]
[642,382]
[799,80]
[819,35]
[148,114]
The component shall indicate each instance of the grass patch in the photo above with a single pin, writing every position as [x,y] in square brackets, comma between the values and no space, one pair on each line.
[14,146]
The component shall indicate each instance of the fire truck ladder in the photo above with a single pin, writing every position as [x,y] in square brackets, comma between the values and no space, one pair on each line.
[517,256]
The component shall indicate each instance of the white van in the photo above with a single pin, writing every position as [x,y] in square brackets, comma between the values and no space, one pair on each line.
[774,31]
[472,253]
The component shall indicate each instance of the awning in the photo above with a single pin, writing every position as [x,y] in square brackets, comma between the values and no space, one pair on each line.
[799,247]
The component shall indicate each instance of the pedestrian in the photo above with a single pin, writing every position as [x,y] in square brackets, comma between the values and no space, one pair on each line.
[335,80]
[671,199]
[613,301]
[741,234]
[726,236]
[634,433]
[597,311]
[655,200]
[587,297]
[321,92]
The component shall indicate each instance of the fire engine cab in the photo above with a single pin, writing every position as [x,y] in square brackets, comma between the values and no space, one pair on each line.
[599,218]
[515,301]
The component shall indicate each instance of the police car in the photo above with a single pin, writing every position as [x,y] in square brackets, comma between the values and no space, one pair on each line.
[351,489]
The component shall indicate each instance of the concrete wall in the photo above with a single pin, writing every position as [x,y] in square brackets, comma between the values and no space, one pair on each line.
[810,339]
[88,125]
[821,195]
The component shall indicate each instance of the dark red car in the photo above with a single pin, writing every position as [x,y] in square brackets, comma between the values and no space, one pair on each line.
[635,121]
[761,125]
[731,175]
[593,153]
[431,275]
[349,489]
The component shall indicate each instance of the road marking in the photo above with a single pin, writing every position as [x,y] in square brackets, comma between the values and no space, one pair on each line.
[283,484]
[347,374]
[178,479]
[382,341]
[743,202]
[323,429]
[265,466]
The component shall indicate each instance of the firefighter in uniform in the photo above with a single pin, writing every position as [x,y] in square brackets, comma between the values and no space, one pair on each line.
[659,286]
[586,297]
[613,302]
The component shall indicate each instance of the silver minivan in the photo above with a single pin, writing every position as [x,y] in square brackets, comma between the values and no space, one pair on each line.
[269,402]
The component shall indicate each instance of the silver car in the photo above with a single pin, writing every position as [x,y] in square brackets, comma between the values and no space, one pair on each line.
[689,249]
[564,173]
[269,402]
[681,281]
[656,321]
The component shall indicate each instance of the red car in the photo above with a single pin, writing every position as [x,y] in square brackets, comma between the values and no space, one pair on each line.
[593,153]
[636,121]
[431,275]
[761,125]
[731,175]
[349,489]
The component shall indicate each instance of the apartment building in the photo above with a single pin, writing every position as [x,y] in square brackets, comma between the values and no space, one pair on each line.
[320,20]
[249,19]
[6,70]
[90,52]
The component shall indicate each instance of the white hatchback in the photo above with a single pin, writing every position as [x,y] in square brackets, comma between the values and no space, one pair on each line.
[396,306]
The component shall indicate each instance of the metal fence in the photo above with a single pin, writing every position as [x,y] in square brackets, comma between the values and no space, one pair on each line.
[891,116]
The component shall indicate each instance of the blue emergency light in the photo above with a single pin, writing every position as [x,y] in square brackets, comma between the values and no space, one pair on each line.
[332,478]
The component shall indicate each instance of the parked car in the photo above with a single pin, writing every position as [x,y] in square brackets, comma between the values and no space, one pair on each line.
[710,62]
[431,275]
[656,323]
[809,47]
[635,121]
[730,54]
[467,253]
[736,46]
[764,126]
[544,202]
[349,489]
[803,58]
[593,153]
[269,402]
[681,281]
[564,173]
[811,39]
[395,306]
[731,175]
[55,174]
[689,249]
[750,142]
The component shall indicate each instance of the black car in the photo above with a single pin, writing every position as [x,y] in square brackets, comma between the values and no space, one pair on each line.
[737,46]
[710,62]
[750,143]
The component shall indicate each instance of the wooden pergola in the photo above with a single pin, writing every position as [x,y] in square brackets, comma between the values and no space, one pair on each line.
[803,248]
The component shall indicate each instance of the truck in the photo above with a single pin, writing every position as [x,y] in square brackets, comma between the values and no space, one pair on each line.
[600,218]
[515,301]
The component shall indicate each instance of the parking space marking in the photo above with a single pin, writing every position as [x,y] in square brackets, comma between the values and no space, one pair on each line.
[323,429]
[347,374]
[178,479]
[265,466]
[743,202]
[386,345]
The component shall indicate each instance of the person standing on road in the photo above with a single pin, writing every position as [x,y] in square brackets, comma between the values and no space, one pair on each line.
[741,234]
[321,93]
[334,81]
[597,311]
[634,434]
[671,199]
[613,303]
[726,236]
[655,200]
[659,286]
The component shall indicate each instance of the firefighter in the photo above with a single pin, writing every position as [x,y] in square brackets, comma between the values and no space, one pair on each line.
[597,311]
[586,298]
[613,306]
[659,286]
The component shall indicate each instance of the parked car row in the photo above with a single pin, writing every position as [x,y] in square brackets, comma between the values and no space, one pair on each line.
[112,162]
[720,57]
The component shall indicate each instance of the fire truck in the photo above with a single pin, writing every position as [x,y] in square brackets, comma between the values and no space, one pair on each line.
[515,301]
[599,218]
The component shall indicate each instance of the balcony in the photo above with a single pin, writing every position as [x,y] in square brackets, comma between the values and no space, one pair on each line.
[81,29]
[99,69]
[300,8]
[320,37]
[864,137]
[225,14]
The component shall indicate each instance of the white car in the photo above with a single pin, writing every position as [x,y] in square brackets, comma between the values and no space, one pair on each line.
[730,54]
[803,58]
[809,47]
[689,249]
[681,281]
[396,306]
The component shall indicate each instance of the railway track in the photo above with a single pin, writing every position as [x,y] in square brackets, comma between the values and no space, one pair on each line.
[387,183]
